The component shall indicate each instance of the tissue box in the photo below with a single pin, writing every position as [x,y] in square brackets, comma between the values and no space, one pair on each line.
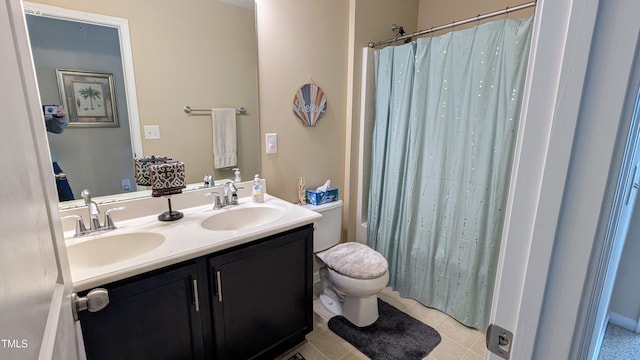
[321,197]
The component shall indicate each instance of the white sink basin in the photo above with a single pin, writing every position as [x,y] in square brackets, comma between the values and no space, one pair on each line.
[110,249]
[241,218]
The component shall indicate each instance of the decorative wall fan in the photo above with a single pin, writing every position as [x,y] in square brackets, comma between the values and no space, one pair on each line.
[309,104]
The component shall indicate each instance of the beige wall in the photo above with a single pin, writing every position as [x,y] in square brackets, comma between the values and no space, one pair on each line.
[194,52]
[298,40]
[326,45]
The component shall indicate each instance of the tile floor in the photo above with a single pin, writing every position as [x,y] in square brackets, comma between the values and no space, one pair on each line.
[458,341]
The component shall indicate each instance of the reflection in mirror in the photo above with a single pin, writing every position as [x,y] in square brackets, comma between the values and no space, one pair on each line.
[96,158]
[206,58]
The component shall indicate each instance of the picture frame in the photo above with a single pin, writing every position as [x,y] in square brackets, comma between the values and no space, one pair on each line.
[88,98]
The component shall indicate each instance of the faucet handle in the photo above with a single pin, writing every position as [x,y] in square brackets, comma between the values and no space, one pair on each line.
[217,204]
[108,222]
[86,195]
[234,194]
[80,228]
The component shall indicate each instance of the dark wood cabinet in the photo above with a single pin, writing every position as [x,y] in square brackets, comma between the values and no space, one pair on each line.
[251,301]
[262,296]
[149,317]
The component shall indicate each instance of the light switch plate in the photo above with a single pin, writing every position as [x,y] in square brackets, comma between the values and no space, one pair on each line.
[271,141]
[152,132]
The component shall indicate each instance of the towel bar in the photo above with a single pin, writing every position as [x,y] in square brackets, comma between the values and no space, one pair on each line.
[187,109]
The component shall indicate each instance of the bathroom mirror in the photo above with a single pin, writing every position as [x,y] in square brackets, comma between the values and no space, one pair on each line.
[201,54]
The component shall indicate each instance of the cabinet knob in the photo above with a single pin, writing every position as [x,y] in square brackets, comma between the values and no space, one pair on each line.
[96,300]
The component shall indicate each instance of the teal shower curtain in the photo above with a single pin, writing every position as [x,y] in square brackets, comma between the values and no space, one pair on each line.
[445,126]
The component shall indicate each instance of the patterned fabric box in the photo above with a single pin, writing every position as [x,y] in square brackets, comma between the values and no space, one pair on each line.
[167,179]
[141,167]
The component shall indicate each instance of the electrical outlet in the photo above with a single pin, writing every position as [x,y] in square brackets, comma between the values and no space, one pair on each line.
[126,184]
[152,132]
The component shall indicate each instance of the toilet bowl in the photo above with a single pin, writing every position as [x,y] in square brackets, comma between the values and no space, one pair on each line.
[351,274]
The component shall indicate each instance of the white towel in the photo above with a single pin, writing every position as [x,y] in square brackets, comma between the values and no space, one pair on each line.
[224,138]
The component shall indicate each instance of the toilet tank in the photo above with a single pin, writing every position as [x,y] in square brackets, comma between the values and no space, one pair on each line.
[328,229]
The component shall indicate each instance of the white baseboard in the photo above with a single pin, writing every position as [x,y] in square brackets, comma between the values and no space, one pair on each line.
[624,322]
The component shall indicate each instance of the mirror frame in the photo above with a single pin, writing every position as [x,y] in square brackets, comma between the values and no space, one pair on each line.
[122,26]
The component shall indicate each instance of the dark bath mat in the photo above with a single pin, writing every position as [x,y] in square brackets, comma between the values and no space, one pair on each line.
[395,335]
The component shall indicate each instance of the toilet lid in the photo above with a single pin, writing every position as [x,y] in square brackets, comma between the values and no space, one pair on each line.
[355,260]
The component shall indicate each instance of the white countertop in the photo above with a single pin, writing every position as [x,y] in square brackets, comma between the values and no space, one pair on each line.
[184,239]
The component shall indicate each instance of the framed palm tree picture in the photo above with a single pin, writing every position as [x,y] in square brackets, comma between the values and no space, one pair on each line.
[88,98]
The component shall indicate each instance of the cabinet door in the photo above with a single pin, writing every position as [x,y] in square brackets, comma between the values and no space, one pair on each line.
[262,303]
[150,317]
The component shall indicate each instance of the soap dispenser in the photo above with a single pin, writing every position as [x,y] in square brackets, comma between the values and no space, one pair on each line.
[237,178]
[258,192]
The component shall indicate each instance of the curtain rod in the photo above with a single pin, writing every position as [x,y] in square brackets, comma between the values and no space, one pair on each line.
[455,23]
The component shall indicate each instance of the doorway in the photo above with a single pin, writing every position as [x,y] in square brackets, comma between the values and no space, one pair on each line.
[613,260]
[550,283]
[617,328]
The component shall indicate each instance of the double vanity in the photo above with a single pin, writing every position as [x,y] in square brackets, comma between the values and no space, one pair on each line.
[233,283]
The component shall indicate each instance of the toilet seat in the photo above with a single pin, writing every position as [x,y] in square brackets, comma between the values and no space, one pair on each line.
[355,260]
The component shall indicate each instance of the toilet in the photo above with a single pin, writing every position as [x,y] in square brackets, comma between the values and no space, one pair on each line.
[351,274]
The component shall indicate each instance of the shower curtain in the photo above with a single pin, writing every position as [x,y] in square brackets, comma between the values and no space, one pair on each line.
[446,120]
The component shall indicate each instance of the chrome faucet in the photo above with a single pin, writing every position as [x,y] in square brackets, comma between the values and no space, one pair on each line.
[208,181]
[229,196]
[94,211]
